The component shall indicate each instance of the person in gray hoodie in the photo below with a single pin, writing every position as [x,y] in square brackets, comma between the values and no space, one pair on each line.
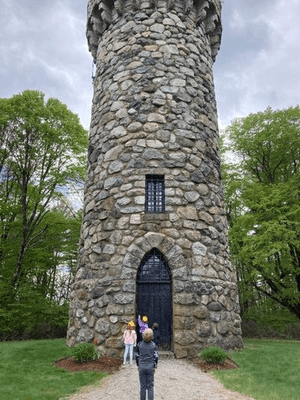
[146,360]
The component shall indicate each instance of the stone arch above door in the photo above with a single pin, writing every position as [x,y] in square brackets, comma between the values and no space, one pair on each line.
[141,246]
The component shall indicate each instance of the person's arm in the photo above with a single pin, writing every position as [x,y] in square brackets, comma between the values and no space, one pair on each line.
[142,325]
[155,356]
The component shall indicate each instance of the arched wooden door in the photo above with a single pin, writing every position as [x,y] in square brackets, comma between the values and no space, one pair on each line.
[154,295]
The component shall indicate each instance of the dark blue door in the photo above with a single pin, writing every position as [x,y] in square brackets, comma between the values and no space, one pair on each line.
[154,295]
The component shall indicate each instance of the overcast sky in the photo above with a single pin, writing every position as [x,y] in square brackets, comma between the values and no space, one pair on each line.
[43,46]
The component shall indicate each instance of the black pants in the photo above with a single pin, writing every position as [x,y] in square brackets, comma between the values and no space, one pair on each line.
[146,381]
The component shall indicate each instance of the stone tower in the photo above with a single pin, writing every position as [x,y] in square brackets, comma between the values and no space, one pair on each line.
[154,234]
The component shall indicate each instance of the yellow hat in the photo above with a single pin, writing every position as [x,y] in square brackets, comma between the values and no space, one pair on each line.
[145,319]
[131,323]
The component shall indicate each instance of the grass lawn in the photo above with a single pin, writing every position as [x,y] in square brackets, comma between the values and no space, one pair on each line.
[27,373]
[269,370]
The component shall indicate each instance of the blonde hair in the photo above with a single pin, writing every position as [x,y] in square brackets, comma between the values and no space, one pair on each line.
[130,324]
[147,335]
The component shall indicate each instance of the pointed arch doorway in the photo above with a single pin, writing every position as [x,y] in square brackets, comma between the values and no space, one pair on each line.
[154,295]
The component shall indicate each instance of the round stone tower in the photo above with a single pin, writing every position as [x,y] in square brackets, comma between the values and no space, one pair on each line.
[154,233]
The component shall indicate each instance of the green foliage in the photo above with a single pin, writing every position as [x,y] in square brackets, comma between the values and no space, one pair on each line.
[33,316]
[27,371]
[269,319]
[84,352]
[262,193]
[270,313]
[214,355]
[268,369]
[42,150]
[255,330]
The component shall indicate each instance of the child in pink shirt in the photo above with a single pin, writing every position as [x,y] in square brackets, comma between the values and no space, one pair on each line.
[129,340]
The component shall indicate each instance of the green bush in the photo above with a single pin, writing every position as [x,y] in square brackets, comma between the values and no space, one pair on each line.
[33,317]
[214,355]
[270,320]
[84,352]
[254,330]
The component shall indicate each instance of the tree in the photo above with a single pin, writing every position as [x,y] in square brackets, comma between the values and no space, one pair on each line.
[42,150]
[262,193]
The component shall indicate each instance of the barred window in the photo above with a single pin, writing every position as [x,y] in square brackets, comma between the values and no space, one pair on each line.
[155,193]
[154,269]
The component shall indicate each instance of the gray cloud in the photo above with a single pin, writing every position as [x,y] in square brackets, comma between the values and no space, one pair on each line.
[43,46]
[258,63]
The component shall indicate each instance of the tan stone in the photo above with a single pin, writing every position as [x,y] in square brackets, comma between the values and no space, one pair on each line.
[179,351]
[201,312]
[188,212]
[151,127]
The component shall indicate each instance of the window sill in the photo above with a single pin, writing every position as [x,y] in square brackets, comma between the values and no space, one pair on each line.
[155,216]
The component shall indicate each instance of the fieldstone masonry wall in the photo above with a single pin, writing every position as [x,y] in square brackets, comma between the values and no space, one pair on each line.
[154,112]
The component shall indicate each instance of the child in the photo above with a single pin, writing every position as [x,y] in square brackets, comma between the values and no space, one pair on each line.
[156,334]
[146,360]
[143,323]
[129,340]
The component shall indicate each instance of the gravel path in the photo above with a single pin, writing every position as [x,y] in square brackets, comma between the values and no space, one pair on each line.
[173,379]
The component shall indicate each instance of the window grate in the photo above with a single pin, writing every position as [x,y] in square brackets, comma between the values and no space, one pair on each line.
[155,193]
[154,269]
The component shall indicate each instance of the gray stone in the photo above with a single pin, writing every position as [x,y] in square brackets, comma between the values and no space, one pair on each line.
[191,196]
[124,298]
[129,287]
[113,319]
[118,131]
[152,154]
[214,306]
[114,309]
[115,166]
[199,249]
[112,182]
[185,299]
[113,153]
[223,327]
[114,329]
[203,329]
[215,316]
[102,326]
[85,335]
[98,312]
[102,302]
[97,292]
[201,288]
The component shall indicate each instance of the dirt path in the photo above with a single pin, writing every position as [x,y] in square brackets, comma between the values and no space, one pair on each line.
[174,379]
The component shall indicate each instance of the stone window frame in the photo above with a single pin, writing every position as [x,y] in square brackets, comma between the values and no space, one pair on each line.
[155,194]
